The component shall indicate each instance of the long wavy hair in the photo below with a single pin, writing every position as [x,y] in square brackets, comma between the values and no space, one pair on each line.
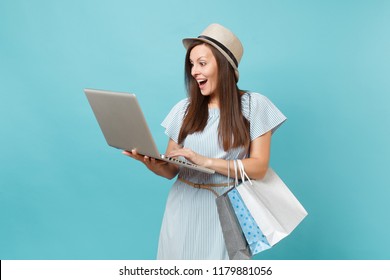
[233,129]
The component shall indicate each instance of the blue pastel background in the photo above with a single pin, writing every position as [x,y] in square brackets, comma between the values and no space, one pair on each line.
[64,194]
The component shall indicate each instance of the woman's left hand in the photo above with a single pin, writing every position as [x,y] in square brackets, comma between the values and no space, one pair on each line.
[191,156]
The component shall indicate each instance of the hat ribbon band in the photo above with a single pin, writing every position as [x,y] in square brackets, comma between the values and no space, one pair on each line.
[226,50]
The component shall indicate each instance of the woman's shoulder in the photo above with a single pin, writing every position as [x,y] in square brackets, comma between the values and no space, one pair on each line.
[182,103]
[179,109]
[253,99]
[253,96]
[254,103]
[176,113]
[262,113]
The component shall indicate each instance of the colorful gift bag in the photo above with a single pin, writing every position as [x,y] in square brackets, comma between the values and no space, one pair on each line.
[255,238]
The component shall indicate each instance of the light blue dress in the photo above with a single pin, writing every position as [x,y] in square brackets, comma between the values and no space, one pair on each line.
[190,227]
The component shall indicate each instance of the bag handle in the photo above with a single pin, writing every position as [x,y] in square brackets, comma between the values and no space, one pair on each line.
[235,172]
[242,172]
[228,176]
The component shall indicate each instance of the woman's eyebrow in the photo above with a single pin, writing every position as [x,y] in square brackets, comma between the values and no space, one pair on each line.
[203,56]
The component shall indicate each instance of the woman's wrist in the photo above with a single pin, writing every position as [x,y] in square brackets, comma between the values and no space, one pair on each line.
[209,163]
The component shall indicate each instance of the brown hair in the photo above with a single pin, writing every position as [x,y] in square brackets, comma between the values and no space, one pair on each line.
[233,129]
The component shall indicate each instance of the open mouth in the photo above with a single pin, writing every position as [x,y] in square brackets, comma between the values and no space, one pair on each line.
[202,82]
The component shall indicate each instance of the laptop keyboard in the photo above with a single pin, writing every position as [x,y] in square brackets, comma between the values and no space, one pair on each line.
[179,161]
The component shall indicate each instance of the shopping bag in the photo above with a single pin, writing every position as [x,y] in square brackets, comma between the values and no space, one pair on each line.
[273,206]
[236,244]
[255,238]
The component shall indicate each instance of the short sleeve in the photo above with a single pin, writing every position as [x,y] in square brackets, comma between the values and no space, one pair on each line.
[173,121]
[262,114]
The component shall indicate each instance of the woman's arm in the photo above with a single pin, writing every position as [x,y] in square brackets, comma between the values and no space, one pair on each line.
[159,167]
[255,166]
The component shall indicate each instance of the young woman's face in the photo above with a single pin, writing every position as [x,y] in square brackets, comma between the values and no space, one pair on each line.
[204,70]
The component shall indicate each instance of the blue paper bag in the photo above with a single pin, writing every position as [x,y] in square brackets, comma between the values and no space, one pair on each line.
[254,236]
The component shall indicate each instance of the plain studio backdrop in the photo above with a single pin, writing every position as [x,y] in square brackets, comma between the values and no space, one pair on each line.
[64,194]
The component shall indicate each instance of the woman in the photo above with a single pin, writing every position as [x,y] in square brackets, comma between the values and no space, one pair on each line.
[217,123]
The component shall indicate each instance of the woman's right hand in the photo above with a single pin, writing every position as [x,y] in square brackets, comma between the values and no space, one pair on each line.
[159,167]
[150,163]
[133,154]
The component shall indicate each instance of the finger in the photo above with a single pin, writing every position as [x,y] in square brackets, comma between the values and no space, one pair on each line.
[128,153]
[136,155]
[149,161]
[146,159]
[133,154]
[176,153]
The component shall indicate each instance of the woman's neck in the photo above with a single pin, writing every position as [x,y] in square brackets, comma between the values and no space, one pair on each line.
[213,102]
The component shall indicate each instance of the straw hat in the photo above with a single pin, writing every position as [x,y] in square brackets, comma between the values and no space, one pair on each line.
[223,40]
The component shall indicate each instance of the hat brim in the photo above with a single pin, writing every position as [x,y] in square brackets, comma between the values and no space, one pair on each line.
[188,41]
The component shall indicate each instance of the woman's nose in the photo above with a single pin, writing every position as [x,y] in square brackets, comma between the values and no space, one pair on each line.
[194,70]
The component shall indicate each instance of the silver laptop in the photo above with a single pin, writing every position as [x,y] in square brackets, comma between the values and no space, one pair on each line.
[124,126]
